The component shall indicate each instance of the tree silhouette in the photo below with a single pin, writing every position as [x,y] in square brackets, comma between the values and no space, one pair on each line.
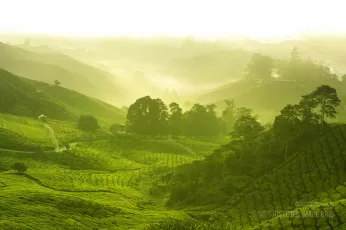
[176,120]
[325,100]
[260,67]
[88,123]
[57,83]
[295,57]
[148,116]
[246,127]
[20,167]
[228,114]
[286,125]
[201,121]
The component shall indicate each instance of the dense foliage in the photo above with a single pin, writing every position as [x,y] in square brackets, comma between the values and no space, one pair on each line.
[149,116]
[88,123]
[253,151]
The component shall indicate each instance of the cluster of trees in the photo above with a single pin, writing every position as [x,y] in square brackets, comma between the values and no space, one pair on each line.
[262,67]
[149,116]
[254,150]
[306,116]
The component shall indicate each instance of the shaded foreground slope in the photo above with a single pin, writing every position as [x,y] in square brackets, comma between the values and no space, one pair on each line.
[308,191]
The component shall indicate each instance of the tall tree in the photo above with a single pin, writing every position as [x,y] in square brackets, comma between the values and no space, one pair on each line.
[176,119]
[212,122]
[287,123]
[148,116]
[243,111]
[246,127]
[161,116]
[325,100]
[137,116]
[229,115]
[202,121]
[295,56]
[195,120]
[260,67]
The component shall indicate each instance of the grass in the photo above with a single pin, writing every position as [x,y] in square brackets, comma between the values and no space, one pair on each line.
[120,183]
[95,185]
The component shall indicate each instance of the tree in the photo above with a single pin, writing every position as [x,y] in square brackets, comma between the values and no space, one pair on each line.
[305,108]
[260,67]
[212,122]
[325,100]
[300,69]
[295,54]
[202,121]
[286,124]
[57,83]
[160,117]
[137,116]
[20,167]
[243,111]
[195,120]
[229,115]
[176,119]
[246,127]
[148,116]
[88,123]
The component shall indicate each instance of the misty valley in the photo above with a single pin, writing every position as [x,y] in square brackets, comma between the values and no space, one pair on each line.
[172,133]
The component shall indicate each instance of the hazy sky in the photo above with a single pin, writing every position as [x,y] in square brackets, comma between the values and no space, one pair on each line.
[204,18]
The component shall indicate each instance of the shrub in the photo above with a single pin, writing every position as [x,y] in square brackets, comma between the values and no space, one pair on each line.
[20,167]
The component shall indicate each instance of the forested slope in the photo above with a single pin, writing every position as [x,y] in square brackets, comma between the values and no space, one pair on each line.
[308,191]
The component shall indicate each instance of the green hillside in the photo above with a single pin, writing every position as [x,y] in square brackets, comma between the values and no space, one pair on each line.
[267,98]
[48,67]
[311,183]
[95,185]
[23,97]
[307,191]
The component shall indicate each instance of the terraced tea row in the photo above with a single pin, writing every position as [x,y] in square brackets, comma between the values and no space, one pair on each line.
[316,174]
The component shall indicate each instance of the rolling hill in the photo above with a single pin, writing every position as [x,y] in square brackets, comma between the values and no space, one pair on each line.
[308,191]
[48,67]
[24,97]
[216,66]
[94,185]
[267,98]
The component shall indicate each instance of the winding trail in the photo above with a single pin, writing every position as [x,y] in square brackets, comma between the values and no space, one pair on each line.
[52,136]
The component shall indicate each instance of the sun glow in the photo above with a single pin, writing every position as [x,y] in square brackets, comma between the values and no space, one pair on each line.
[206,19]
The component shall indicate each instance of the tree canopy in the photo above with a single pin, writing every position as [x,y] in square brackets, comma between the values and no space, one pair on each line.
[260,67]
[88,123]
[149,116]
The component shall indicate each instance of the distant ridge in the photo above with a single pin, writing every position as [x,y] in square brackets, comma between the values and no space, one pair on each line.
[48,67]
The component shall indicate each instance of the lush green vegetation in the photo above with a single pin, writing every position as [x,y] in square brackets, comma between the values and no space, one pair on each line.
[264,152]
[108,179]
[32,98]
